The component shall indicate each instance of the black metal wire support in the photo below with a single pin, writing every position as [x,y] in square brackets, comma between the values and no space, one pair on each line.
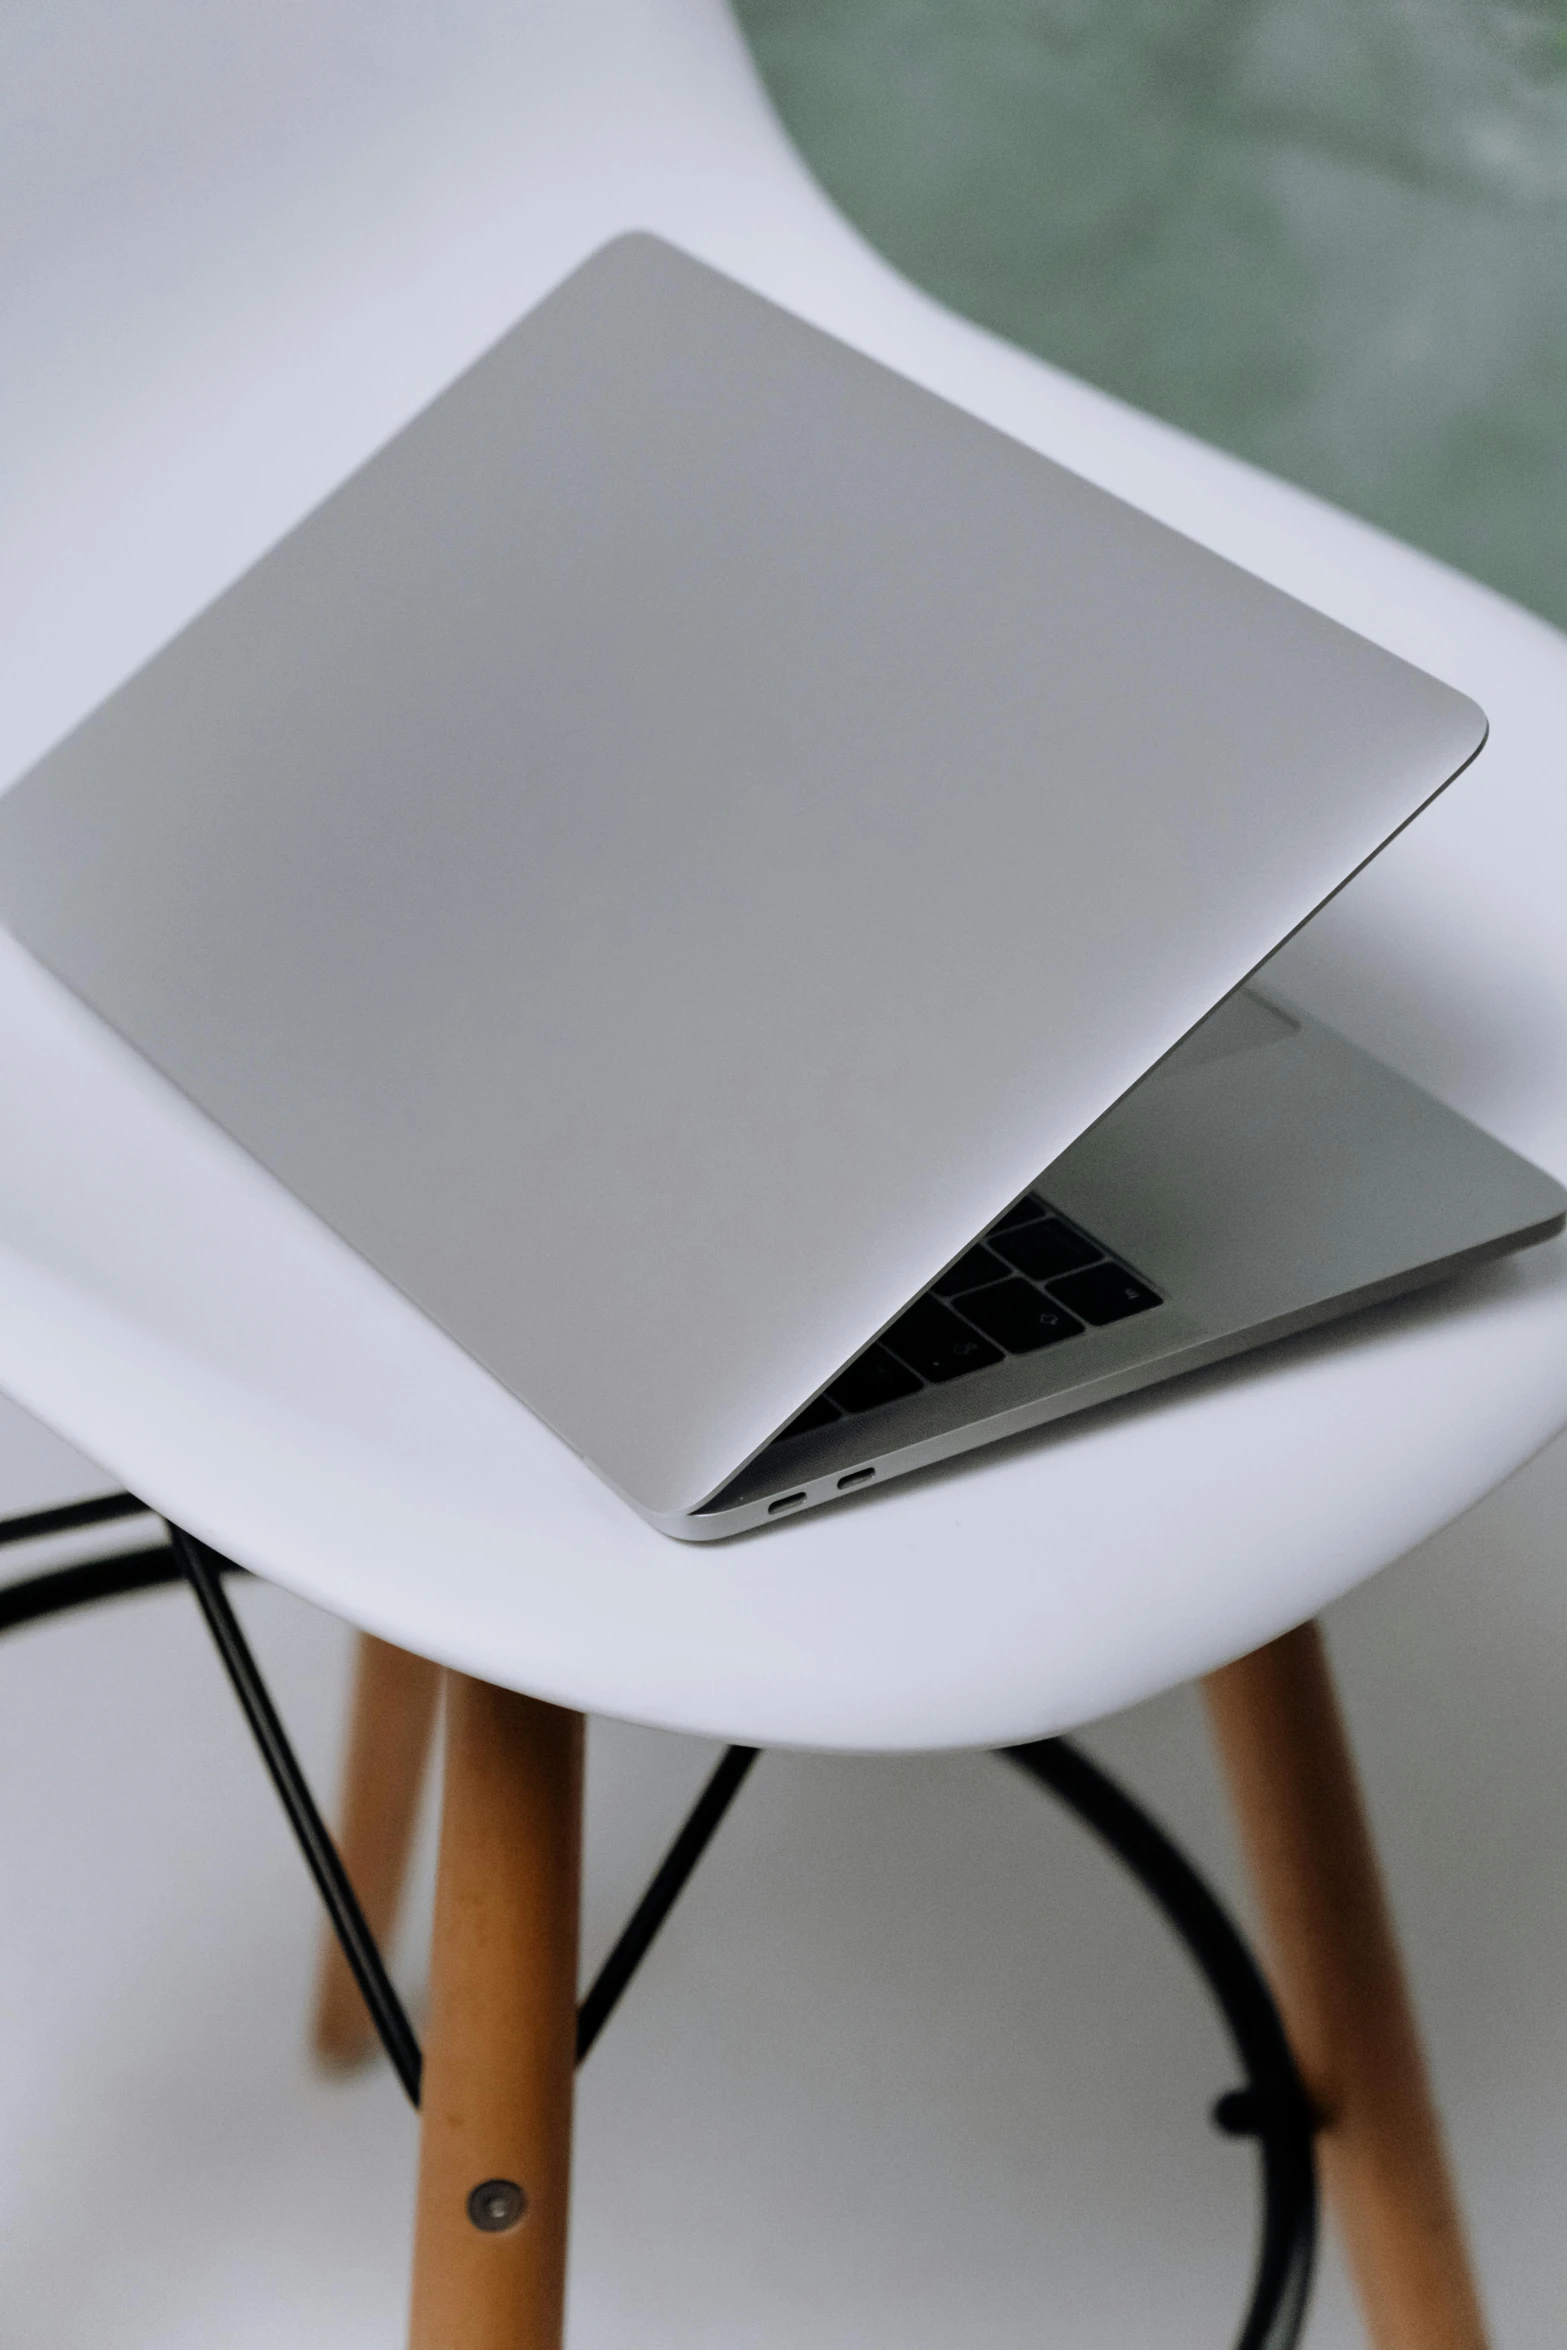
[1274,2107]
[66,1516]
[205,1569]
[62,1588]
[58,1589]
[702,1824]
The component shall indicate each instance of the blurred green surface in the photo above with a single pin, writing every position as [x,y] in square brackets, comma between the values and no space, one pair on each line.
[1330,234]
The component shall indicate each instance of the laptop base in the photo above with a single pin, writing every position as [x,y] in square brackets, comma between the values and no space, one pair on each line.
[1266,1178]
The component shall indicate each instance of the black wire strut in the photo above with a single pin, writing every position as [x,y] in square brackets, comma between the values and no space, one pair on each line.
[636,1937]
[1272,2107]
[57,1591]
[205,1570]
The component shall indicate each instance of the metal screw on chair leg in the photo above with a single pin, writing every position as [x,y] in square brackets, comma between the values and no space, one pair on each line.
[496,2205]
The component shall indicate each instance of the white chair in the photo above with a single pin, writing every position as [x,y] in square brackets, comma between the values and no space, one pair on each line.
[175,1314]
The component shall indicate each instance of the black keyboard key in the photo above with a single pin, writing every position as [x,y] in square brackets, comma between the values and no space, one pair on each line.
[872,1378]
[1020,1318]
[819,1414]
[1043,1250]
[1028,1207]
[971,1271]
[1105,1293]
[931,1340]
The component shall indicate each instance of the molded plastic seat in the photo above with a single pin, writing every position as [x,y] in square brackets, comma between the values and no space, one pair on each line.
[171,1310]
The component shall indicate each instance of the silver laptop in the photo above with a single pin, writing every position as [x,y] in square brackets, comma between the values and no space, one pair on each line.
[699,861]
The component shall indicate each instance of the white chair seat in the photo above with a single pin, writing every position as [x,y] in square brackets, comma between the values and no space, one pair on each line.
[173,1312]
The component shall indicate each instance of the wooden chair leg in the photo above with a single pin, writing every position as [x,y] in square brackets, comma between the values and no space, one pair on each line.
[500,2047]
[389,1741]
[1340,1983]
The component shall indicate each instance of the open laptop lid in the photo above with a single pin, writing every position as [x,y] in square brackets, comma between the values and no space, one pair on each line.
[667,851]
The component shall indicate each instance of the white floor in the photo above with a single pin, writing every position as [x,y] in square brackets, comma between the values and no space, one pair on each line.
[911,2066]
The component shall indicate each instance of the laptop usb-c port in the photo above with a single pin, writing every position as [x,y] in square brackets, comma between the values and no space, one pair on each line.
[855,1477]
[785,1501]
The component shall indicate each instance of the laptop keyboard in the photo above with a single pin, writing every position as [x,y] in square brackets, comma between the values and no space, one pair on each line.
[1034,1280]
